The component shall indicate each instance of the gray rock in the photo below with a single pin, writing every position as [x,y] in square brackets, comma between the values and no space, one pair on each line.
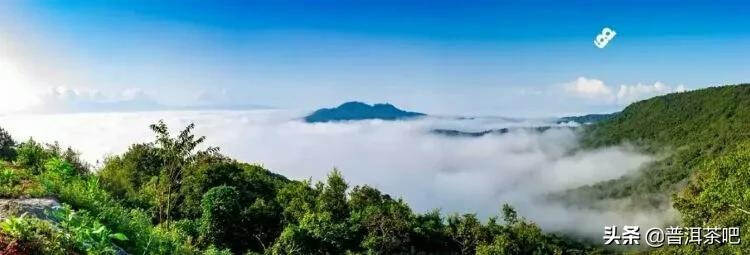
[35,207]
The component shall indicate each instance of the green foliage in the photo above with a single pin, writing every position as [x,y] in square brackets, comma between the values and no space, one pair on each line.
[7,146]
[70,156]
[428,233]
[317,218]
[206,175]
[87,194]
[15,182]
[60,167]
[88,234]
[704,135]
[332,196]
[719,196]
[689,127]
[35,236]
[212,250]
[509,214]
[294,240]
[132,176]
[73,232]
[176,154]
[387,227]
[296,199]
[32,155]
[220,209]
[9,182]
[466,232]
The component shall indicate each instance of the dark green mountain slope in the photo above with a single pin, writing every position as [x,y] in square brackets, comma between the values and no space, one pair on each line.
[689,127]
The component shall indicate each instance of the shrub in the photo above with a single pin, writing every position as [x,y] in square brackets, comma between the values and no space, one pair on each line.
[35,236]
[9,181]
[86,193]
[32,156]
[88,234]
[16,183]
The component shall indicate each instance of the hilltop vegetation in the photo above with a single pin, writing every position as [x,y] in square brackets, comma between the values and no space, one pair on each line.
[167,197]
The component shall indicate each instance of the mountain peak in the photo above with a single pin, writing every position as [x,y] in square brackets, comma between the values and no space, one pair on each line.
[355,110]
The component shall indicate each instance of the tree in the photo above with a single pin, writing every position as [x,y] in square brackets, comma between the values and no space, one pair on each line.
[296,199]
[262,223]
[509,214]
[204,176]
[429,235]
[294,240]
[466,232]
[363,196]
[332,198]
[176,155]
[128,176]
[7,146]
[388,226]
[218,220]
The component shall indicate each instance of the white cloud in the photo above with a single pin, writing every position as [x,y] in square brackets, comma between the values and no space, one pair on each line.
[630,93]
[62,99]
[401,158]
[589,89]
[596,91]
[65,99]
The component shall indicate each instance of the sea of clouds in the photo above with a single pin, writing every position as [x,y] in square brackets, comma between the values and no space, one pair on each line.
[402,158]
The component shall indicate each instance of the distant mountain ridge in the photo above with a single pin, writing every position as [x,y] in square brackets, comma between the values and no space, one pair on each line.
[360,111]
[498,131]
[588,118]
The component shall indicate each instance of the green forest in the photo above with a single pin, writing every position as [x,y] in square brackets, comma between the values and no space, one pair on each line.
[169,196]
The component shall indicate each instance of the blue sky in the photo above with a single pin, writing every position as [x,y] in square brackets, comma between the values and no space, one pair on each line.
[524,58]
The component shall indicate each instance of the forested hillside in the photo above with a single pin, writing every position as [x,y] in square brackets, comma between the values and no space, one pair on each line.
[704,172]
[687,128]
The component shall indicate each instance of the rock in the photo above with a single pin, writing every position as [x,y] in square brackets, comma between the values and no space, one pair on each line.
[35,207]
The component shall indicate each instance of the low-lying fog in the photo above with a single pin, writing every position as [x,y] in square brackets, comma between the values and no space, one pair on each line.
[402,158]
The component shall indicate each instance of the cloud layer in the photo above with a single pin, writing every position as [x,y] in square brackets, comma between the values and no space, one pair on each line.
[596,91]
[401,158]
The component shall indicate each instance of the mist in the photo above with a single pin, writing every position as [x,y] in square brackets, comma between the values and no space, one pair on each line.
[401,158]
